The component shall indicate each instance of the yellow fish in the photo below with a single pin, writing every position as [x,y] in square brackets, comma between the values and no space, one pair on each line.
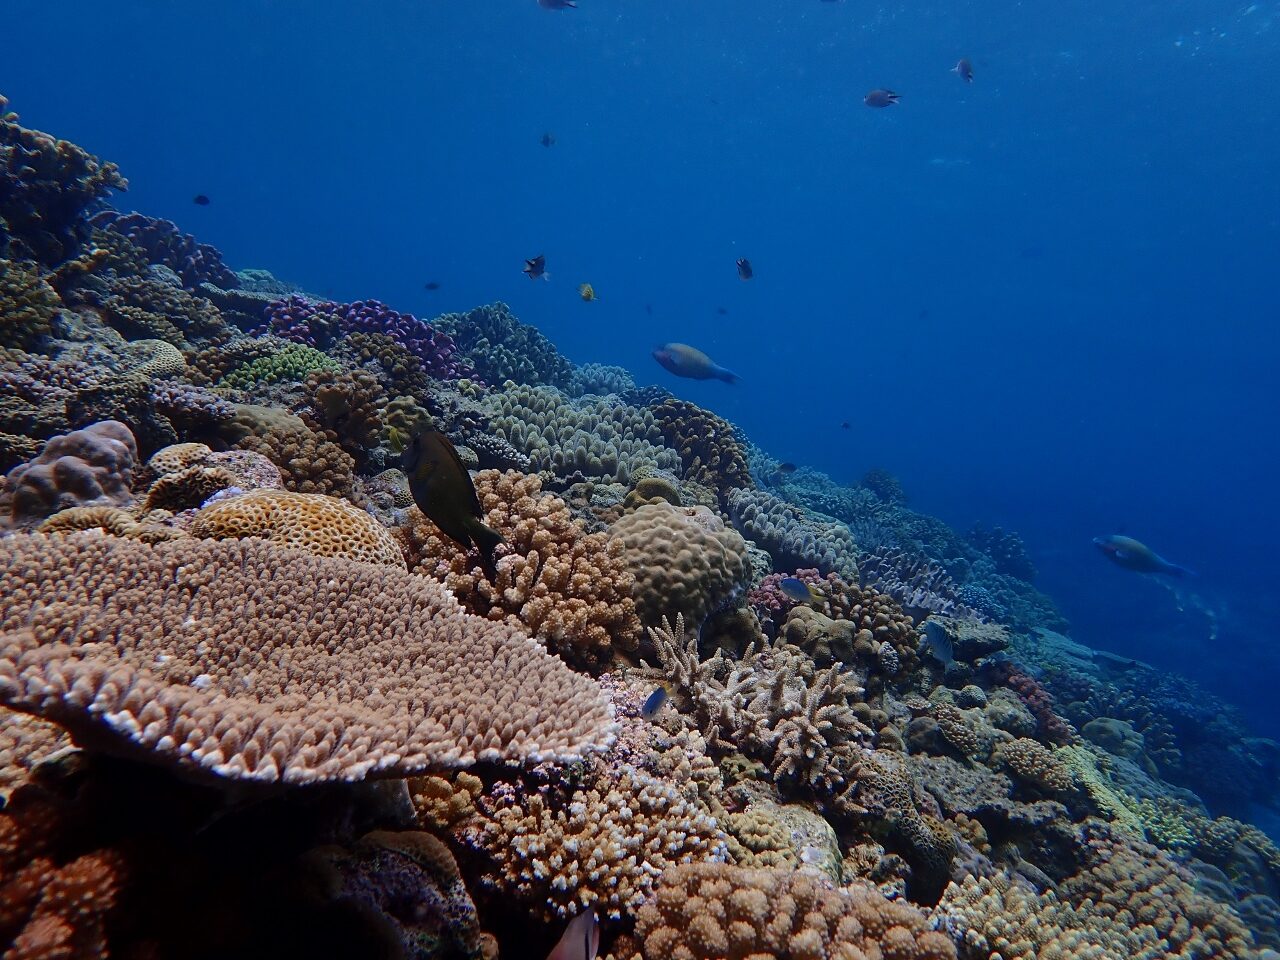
[587,292]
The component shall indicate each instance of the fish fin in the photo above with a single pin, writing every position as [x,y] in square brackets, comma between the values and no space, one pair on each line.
[486,540]
[546,275]
[728,376]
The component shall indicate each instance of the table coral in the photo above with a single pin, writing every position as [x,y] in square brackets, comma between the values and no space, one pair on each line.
[324,526]
[46,185]
[240,661]
[714,911]
[569,588]
[685,561]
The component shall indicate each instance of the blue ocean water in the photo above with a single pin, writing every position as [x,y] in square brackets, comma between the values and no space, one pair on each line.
[1045,299]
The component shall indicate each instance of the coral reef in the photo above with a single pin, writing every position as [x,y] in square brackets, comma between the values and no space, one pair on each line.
[793,537]
[710,453]
[89,467]
[164,243]
[501,348]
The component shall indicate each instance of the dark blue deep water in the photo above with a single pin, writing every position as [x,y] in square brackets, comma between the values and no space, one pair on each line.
[1046,299]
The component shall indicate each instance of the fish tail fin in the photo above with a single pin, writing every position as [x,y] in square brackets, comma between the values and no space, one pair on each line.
[1185,572]
[728,376]
[486,540]
[546,276]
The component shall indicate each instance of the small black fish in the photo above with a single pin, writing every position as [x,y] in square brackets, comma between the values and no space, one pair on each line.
[744,269]
[431,285]
[536,268]
[787,467]
[200,200]
[964,70]
[722,311]
[648,308]
[881,98]
[547,140]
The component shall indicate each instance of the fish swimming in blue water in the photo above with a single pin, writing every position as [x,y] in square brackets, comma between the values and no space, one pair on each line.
[964,70]
[557,5]
[938,642]
[881,98]
[655,702]
[581,938]
[745,270]
[536,268]
[796,589]
[1134,555]
[691,363]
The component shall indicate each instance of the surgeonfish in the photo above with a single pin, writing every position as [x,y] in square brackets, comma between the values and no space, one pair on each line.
[536,268]
[580,940]
[881,98]
[1135,555]
[686,361]
[938,642]
[656,701]
[442,489]
[964,70]
[793,588]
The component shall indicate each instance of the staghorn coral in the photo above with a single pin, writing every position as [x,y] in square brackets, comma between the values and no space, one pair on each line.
[794,537]
[714,911]
[89,467]
[163,242]
[324,526]
[772,704]
[569,588]
[28,305]
[709,450]
[684,560]
[502,348]
[46,185]
[239,661]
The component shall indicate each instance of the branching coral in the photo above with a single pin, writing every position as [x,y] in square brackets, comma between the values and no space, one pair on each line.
[921,587]
[163,242]
[240,661]
[711,911]
[502,348]
[570,588]
[28,305]
[293,361]
[308,462]
[348,406]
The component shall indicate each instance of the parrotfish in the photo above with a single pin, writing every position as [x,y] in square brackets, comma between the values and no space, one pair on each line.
[581,939]
[656,701]
[442,489]
[536,268]
[796,589]
[1135,555]
[881,98]
[964,70]
[686,361]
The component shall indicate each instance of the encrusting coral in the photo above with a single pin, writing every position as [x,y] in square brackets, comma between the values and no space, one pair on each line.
[242,661]
[569,588]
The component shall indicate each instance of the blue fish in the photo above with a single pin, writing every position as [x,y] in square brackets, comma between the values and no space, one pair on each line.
[657,700]
[1134,555]
[938,642]
[686,361]
[795,589]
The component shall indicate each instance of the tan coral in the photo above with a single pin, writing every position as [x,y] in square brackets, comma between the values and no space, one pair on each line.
[714,911]
[567,587]
[242,661]
[117,522]
[684,559]
[441,801]
[25,742]
[1034,763]
[325,526]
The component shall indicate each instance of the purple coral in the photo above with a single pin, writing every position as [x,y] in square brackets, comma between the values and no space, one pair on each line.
[164,242]
[319,324]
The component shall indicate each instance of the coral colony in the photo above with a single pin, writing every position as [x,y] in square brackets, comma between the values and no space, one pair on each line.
[239,666]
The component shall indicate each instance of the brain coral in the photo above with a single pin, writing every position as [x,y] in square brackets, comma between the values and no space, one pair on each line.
[564,585]
[325,526]
[684,559]
[243,661]
[715,911]
[792,536]
[595,437]
[88,467]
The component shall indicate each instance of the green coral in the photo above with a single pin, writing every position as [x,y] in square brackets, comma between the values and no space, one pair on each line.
[1114,804]
[293,362]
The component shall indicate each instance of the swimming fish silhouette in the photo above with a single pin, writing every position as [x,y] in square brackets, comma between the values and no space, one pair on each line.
[1134,555]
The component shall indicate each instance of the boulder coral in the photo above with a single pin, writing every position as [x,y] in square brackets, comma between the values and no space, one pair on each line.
[684,559]
[91,467]
[569,588]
